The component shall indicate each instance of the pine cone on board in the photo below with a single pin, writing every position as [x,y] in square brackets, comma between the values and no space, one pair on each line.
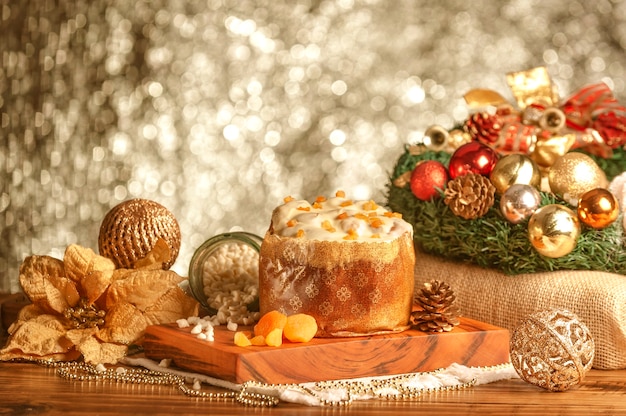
[438,311]
[470,196]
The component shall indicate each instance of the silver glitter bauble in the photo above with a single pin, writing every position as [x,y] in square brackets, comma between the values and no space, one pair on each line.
[553,350]
[519,202]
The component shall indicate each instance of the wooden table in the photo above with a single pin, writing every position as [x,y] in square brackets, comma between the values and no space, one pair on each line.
[31,389]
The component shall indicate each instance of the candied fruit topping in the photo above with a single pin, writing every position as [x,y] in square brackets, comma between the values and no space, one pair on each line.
[292,222]
[352,235]
[340,194]
[300,233]
[288,199]
[370,206]
[346,203]
[361,216]
[376,222]
[328,226]
[304,208]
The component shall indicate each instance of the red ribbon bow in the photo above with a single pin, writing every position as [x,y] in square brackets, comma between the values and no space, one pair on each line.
[595,107]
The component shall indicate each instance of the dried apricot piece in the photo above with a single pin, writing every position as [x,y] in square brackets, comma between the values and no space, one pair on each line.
[300,328]
[258,340]
[241,340]
[269,321]
[274,338]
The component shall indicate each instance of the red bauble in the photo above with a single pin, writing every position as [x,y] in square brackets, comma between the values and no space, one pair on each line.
[473,157]
[426,178]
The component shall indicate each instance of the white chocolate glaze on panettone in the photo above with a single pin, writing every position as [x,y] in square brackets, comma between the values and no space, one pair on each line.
[350,264]
[338,219]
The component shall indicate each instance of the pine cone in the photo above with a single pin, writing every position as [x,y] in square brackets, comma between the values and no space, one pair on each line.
[439,313]
[487,128]
[470,196]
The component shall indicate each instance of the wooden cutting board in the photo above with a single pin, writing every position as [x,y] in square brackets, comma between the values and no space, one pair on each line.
[472,343]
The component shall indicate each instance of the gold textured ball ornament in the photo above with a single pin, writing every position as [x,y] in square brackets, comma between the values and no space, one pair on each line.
[598,208]
[573,174]
[131,229]
[553,230]
[553,350]
[515,169]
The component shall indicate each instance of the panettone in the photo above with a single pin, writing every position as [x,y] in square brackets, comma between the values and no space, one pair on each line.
[347,263]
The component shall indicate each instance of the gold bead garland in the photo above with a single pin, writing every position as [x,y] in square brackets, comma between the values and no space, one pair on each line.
[378,388]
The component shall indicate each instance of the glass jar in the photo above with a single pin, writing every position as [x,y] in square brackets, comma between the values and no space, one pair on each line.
[224,276]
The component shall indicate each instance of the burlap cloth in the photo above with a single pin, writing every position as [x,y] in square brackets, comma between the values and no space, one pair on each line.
[597,298]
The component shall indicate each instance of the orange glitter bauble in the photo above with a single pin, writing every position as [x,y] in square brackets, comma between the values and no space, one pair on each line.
[131,229]
[598,208]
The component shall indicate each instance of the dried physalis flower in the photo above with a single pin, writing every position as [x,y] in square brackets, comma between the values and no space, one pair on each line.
[43,279]
[81,261]
[83,306]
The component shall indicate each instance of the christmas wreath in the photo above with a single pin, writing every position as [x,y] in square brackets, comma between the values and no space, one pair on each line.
[521,188]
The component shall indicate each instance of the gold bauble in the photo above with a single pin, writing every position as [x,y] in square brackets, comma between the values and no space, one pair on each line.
[598,208]
[573,174]
[553,230]
[436,138]
[131,229]
[515,169]
[553,350]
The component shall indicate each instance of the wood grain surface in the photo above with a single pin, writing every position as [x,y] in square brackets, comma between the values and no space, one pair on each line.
[472,343]
[28,389]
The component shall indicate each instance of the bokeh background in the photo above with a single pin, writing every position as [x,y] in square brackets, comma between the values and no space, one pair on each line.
[217,109]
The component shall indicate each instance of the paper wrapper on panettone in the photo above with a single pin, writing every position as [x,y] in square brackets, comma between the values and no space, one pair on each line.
[131,229]
[351,288]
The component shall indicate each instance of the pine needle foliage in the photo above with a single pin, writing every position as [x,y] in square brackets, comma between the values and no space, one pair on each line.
[491,241]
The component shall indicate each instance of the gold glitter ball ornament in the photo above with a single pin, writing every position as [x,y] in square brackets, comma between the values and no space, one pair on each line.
[553,350]
[573,174]
[553,230]
[598,208]
[515,169]
[131,229]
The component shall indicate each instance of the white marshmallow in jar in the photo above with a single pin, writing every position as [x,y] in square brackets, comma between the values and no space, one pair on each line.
[224,277]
